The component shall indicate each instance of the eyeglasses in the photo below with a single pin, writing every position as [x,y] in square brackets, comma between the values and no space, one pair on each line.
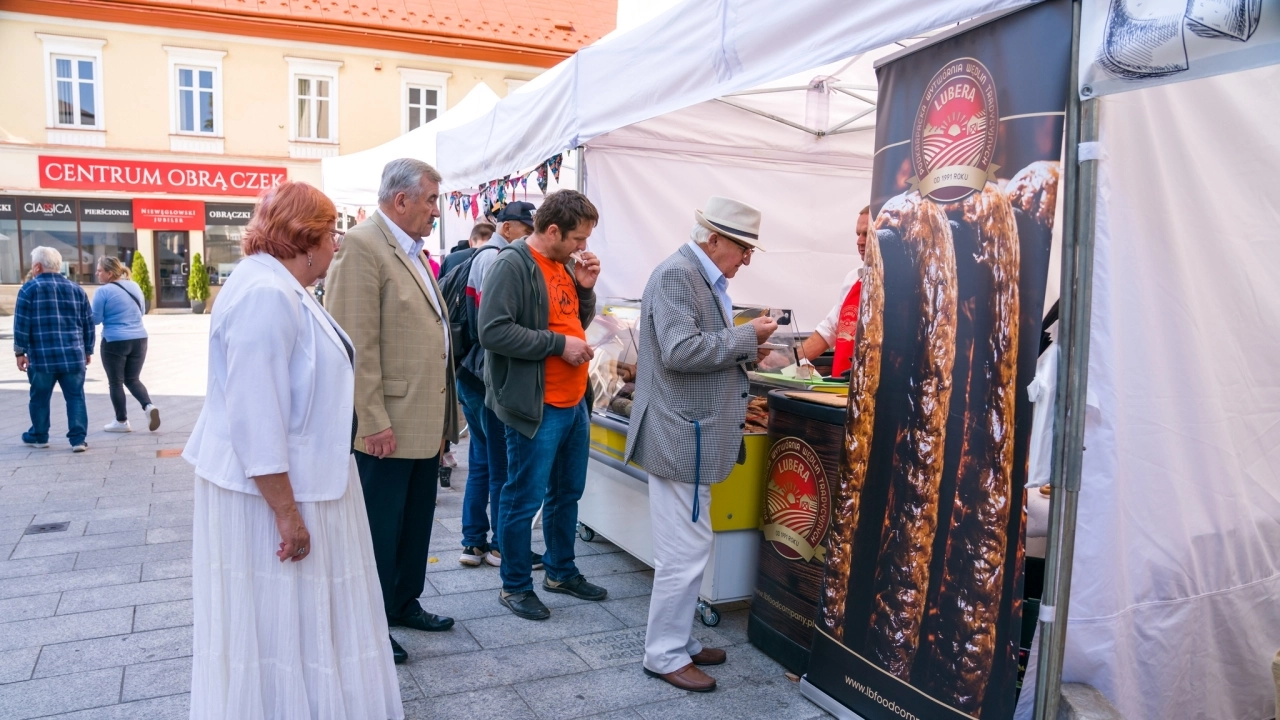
[337,236]
[746,251]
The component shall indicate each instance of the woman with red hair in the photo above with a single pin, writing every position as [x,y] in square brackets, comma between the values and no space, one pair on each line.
[288,610]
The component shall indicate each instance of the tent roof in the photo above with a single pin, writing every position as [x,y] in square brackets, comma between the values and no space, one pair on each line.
[353,179]
[694,52]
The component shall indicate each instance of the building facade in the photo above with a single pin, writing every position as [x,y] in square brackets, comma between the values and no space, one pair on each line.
[151,127]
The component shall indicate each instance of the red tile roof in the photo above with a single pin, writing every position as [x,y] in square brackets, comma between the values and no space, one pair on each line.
[535,32]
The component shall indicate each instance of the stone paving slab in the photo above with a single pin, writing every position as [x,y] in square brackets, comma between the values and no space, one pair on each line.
[95,621]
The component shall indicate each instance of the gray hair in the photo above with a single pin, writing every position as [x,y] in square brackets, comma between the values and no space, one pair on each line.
[47,258]
[404,176]
[700,235]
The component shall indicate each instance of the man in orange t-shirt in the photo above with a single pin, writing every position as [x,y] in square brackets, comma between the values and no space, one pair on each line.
[535,304]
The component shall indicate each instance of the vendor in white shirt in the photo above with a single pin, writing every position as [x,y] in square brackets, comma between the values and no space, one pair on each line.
[840,325]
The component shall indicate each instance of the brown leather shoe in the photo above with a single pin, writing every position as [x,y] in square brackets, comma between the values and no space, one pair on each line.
[687,678]
[710,656]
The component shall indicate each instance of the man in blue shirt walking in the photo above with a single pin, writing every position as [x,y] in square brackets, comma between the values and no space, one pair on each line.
[53,340]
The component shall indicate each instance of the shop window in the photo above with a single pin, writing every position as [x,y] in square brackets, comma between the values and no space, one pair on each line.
[61,236]
[106,239]
[10,253]
[222,251]
[422,95]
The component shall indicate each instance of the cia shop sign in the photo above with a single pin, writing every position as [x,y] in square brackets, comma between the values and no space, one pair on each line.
[47,208]
[70,173]
[954,136]
[797,509]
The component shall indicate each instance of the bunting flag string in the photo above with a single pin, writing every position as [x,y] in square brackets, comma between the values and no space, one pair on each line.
[494,195]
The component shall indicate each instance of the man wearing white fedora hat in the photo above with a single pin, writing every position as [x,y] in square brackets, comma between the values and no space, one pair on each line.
[687,421]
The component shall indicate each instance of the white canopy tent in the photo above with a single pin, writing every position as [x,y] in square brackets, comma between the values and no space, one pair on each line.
[647,179]
[1173,609]
[351,181]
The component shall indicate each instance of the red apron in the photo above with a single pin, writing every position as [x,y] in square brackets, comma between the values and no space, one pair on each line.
[846,331]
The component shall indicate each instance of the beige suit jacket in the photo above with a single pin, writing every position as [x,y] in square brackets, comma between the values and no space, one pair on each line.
[404,377]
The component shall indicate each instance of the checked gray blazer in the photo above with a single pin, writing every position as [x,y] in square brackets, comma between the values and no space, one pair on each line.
[690,367]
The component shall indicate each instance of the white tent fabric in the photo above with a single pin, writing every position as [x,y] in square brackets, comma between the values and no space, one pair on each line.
[352,180]
[1130,44]
[696,51]
[648,178]
[1174,610]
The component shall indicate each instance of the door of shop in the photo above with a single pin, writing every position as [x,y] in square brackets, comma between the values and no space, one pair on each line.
[173,263]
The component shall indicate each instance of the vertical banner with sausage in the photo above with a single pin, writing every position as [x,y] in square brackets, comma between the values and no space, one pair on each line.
[920,609]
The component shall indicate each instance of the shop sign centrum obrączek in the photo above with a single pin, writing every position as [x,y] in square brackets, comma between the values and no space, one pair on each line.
[70,173]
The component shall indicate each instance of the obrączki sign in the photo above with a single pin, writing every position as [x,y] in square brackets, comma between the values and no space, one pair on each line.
[70,173]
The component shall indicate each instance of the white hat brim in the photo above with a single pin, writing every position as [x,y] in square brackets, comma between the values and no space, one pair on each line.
[726,231]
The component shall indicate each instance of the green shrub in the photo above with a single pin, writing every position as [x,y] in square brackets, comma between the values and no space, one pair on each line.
[139,274]
[198,281]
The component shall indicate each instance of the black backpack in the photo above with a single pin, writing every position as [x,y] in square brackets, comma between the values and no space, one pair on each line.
[463,333]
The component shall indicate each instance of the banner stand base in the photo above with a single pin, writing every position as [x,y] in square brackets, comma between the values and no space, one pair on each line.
[826,702]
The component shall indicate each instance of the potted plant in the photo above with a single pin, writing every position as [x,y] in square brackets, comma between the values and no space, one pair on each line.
[198,285]
[139,274]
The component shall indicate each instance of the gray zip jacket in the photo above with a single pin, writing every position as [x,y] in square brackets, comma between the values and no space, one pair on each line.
[514,310]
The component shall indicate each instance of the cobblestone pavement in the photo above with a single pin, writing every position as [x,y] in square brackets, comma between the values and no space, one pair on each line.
[95,620]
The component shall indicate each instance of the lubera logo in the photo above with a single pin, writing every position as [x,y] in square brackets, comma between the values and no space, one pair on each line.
[954,137]
[797,509]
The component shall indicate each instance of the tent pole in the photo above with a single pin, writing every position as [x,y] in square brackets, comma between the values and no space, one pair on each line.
[444,207]
[1074,311]
[580,173]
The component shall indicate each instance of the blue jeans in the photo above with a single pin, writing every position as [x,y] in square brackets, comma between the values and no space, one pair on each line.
[486,469]
[549,469]
[72,384]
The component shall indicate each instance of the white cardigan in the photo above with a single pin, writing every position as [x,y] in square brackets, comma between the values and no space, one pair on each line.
[281,388]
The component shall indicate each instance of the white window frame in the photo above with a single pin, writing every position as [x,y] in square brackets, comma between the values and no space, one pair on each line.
[514,84]
[73,48]
[427,80]
[316,69]
[194,59]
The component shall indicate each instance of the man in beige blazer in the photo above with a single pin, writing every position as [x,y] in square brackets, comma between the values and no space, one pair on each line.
[381,291]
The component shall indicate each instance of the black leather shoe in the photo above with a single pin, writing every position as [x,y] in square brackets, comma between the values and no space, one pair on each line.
[397,653]
[423,620]
[577,587]
[525,604]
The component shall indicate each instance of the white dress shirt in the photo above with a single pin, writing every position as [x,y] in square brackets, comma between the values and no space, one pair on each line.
[719,282]
[827,328]
[413,248]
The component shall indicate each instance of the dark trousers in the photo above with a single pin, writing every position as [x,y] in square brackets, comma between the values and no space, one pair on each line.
[122,360]
[400,497]
[72,384]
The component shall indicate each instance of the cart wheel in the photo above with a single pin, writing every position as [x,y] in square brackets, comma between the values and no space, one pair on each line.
[586,533]
[709,615]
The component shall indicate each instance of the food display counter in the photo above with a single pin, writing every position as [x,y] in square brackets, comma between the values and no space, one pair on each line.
[615,503]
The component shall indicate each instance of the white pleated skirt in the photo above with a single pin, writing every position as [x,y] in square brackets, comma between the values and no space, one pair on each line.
[288,641]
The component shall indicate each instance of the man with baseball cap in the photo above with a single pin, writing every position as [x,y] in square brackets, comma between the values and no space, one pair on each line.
[483,492]
[687,421]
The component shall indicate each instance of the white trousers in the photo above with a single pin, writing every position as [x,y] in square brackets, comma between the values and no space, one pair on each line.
[681,549]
